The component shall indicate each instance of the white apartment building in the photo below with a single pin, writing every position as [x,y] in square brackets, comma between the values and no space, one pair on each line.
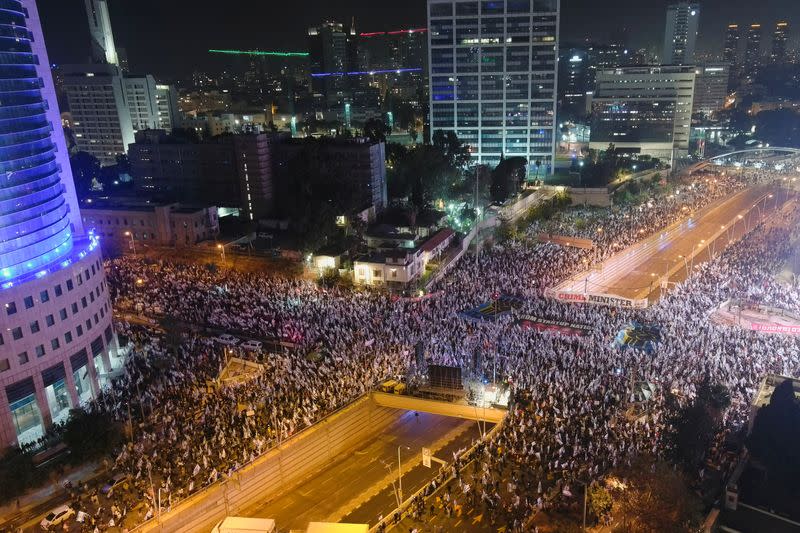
[101,117]
[140,93]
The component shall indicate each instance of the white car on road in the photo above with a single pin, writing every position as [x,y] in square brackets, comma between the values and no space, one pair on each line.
[57,516]
[227,340]
[254,346]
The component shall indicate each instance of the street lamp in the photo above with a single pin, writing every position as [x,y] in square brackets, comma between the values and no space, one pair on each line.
[741,217]
[221,247]
[400,474]
[133,243]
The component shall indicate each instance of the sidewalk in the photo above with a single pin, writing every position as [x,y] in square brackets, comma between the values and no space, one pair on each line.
[39,500]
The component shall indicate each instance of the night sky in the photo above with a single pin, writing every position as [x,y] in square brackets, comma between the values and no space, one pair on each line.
[166,37]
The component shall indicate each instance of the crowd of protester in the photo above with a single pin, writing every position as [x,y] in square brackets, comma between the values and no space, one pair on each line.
[567,422]
[623,225]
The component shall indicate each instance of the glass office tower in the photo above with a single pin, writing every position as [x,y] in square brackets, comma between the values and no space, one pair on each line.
[492,68]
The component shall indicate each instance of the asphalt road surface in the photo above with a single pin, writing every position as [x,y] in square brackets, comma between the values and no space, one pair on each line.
[360,486]
[639,271]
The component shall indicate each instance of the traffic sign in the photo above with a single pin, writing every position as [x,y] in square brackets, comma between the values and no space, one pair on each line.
[426,457]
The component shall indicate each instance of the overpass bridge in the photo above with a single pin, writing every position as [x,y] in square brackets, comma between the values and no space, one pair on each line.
[767,152]
[435,407]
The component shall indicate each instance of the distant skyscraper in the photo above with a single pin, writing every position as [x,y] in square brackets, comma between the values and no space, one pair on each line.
[328,55]
[167,104]
[493,77]
[710,88]
[752,51]
[58,344]
[397,49]
[730,53]
[574,78]
[680,34]
[103,48]
[779,39]
[140,93]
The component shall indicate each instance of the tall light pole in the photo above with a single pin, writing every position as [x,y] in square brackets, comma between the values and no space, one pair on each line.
[221,247]
[585,498]
[741,217]
[133,242]
[685,264]
[400,473]
[477,215]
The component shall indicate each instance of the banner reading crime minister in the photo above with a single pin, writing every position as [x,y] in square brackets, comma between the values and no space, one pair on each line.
[596,299]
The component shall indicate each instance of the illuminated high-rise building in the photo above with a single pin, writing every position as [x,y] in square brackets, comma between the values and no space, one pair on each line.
[328,55]
[103,48]
[710,88]
[575,80]
[779,38]
[680,33]
[492,77]
[752,50]
[57,343]
[101,117]
[730,52]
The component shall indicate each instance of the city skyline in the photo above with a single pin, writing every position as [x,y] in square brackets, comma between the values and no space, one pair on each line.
[449,265]
[176,28]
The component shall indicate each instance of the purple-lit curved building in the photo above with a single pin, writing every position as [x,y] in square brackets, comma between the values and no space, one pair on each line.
[57,342]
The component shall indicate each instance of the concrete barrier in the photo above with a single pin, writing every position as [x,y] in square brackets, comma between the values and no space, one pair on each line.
[279,470]
[411,403]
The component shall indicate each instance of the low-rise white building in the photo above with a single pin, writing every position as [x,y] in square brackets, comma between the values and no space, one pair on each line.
[129,225]
[397,268]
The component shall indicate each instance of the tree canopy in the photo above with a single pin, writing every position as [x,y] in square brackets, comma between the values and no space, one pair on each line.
[376,129]
[657,500]
[427,172]
[90,435]
[507,177]
[85,169]
[694,425]
[312,196]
